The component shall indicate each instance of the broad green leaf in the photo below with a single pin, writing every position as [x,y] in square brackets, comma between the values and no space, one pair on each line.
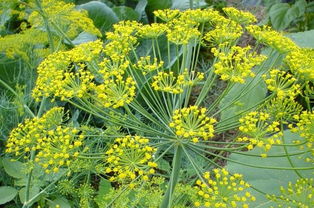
[61,202]
[296,10]
[301,5]
[103,189]
[102,15]
[140,9]
[33,191]
[250,93]
[7,193]
[126,13]
[309,7]
[104,186]
[84,37]
[153,5]
[185,4]
[270,3]
[303,39]
[14,168]
[54,176]
[270,180]
[278,16]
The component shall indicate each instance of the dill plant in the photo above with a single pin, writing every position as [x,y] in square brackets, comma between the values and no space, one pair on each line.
[139,84]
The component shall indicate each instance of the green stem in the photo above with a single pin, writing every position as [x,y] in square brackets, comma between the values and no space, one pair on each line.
[28,183]
[176,165]
[41,107]
[287,154]
[28,202]
[63,34]
[46,22]
[16,94]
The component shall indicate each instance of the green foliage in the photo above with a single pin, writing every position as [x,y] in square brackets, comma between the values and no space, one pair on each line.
[7,193]
[61,202]
[267,175]
[124,114]
[102,15]
[296,16]
[14,169]
[303,39]
[240,99]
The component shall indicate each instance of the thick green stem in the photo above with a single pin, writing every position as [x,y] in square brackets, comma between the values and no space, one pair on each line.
[176,165]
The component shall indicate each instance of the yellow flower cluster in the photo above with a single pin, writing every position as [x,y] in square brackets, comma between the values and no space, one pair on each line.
[299,194]
[24,138]
[146,64]
[168,82]
[58,148]
[282,109]
[70,20]
[167,14]
[63,74]
[55,145]
[301,63]
[261,131]
[109,68]
[22,43]
[202,16]
[226,32]
[114,92]
[236,65]
[152,31]
[271,38]
[121,40]
[305,127]
[223,190]
[181,31]
[130,157]
[192,123]
[241,17]
[282,83]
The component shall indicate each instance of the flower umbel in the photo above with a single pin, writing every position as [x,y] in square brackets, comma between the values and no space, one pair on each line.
[129,157]
[261,131]
[299,194]
[192,123]
[221,189]
[237,64]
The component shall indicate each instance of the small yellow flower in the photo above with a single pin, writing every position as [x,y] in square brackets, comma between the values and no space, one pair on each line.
[271,38]
[130,156]
[283,84]
[261,131]
[237,64]
[192,123]
[168,82]
[230,191]
[240,17]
